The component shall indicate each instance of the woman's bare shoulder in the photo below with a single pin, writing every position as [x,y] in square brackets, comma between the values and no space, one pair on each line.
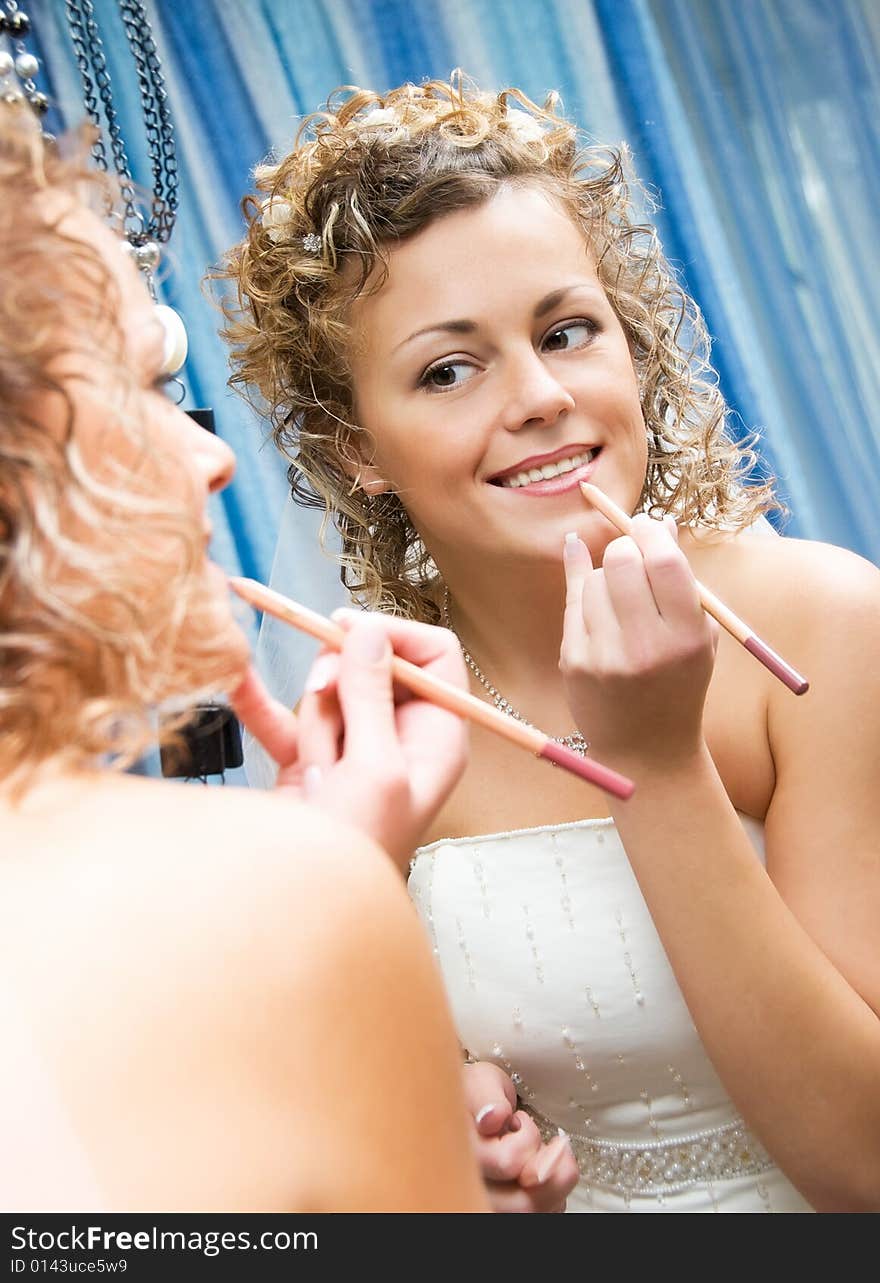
[185,957]
[131,868]
[786,577]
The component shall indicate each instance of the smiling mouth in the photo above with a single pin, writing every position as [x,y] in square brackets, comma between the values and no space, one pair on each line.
[538,476]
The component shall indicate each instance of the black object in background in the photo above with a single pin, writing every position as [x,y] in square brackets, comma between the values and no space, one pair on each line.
[209,745]
[204,418]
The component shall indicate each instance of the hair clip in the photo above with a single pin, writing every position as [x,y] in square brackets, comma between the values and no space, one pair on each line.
[311,243]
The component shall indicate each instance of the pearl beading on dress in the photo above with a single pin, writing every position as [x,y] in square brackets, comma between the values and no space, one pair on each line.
[665,1167]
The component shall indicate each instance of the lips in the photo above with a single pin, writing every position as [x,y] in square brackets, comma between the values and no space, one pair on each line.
[548,464]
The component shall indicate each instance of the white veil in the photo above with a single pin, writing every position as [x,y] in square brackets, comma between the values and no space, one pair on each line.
[283,654]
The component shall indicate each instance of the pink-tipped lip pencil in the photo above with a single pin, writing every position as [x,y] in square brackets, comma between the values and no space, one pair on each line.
[439,692]
[789,676]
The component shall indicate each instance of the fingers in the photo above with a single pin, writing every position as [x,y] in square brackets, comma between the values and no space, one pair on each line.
[577,566]
[431,740]
[435,649]
[504,1157]
[672,583]
[364,688]
[587,606]
[320,718]
[554,1168]
[545,1182]
[490,1097]
[505,1139]
[272,724]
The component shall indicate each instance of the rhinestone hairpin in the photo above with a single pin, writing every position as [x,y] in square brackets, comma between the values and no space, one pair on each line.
[311,243]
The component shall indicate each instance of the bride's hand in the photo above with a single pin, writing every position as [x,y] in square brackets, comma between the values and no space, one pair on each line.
[638,649]
[520,1171]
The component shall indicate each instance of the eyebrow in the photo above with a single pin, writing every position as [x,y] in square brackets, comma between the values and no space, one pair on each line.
[547,304]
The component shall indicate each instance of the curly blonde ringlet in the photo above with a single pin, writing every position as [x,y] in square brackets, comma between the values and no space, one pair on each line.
[372,170]
[93,609]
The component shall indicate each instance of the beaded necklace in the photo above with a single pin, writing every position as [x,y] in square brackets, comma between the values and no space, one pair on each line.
[576,742]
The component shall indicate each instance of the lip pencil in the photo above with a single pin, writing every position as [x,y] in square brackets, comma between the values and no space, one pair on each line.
[712,604]
[439,692]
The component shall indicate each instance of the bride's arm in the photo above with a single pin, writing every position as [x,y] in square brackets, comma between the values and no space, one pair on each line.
[779,968]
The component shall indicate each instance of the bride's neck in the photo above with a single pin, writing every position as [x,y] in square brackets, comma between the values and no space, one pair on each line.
[510,620]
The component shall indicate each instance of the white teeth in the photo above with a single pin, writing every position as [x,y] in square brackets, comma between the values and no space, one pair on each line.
[548,470]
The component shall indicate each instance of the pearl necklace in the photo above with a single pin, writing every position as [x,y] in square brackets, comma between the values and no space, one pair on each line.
[577,743]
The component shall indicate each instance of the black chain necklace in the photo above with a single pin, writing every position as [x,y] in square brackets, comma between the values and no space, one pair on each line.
[144,234]
[213,743]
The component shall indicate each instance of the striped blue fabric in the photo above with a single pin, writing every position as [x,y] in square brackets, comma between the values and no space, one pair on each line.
[753,120]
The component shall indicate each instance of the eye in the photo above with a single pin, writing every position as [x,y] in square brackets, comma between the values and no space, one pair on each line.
[571,336]
[446,376]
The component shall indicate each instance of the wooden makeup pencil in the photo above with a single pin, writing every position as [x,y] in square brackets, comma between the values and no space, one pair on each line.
[440,692]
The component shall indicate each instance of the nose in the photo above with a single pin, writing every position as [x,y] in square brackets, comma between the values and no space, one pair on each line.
[535,395]
[212,457]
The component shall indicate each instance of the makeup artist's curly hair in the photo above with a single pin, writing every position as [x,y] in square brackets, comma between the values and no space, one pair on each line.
[371,171]
[82,657]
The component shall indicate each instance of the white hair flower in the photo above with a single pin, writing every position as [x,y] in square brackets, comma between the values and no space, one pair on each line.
[384,118]
[524,127]
[275,215]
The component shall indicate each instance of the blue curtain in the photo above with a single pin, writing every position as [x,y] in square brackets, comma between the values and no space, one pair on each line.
[753,120]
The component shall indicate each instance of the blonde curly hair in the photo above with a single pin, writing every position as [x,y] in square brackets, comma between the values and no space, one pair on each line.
[372,170]
[98,624]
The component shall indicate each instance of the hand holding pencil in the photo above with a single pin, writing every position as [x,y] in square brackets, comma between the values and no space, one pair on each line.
[439,692]
[354,747]
[713,605]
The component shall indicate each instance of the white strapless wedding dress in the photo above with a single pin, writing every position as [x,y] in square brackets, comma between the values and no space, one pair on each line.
[555,972]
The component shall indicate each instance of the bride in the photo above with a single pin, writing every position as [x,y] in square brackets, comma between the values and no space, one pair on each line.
[452,318]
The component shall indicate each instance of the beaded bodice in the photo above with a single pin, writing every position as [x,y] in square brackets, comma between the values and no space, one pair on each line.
[554,971]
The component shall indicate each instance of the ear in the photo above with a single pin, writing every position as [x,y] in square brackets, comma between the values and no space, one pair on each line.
[357,460]
[366,477]
[372,483]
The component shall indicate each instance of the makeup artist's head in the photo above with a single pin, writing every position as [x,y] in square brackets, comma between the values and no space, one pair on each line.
[108,604]
[440,294]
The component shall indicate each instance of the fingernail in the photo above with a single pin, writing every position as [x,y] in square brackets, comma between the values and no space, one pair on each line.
[484,1113]
[570,546]
[312,777]
[320,674]
[369,641]
[550,1163]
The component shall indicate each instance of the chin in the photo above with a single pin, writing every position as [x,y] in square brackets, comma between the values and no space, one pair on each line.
[212,647]
[232,652]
